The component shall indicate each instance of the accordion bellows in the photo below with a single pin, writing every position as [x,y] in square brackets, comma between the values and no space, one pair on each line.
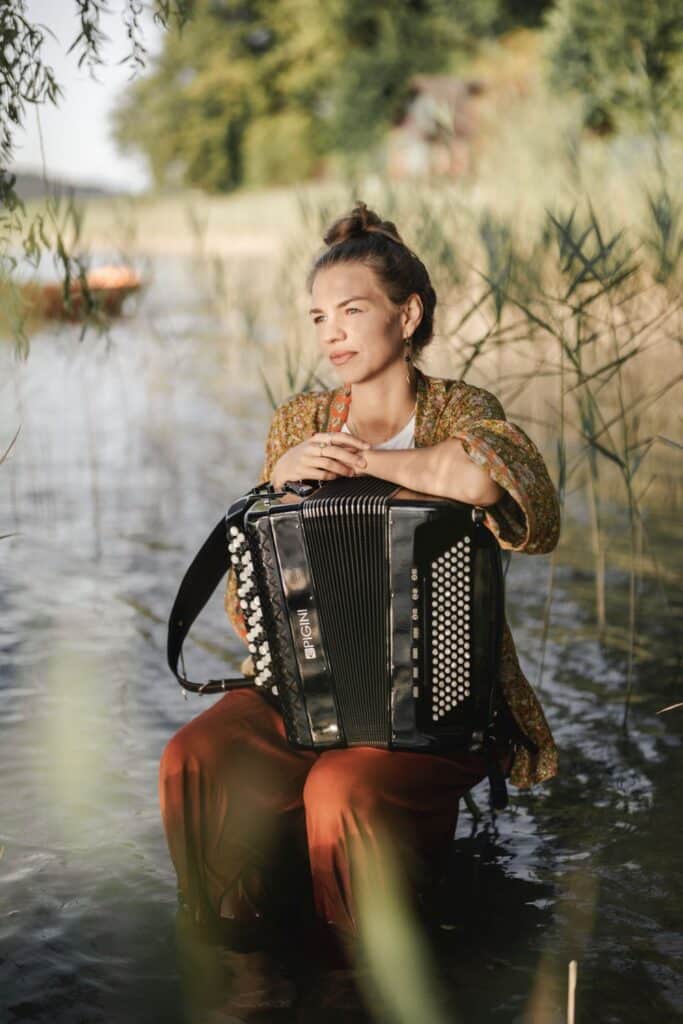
[374,614]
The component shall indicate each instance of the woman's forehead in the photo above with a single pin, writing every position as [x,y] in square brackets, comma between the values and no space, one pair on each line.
[347,278]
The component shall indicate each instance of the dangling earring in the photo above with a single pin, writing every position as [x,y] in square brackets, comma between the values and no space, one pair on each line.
[408,342]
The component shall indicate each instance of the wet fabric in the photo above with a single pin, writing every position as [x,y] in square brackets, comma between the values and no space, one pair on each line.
[242,809]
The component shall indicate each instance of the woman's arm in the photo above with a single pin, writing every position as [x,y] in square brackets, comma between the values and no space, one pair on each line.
[525,515]
[442,469]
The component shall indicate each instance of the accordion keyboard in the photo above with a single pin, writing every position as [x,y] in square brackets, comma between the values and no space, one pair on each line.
[450,639]
[257,642]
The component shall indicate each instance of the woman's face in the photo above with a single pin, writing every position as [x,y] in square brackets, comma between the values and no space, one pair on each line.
[359,329]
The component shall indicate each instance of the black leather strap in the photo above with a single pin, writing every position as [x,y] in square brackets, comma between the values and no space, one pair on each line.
[208,568]
[198,584]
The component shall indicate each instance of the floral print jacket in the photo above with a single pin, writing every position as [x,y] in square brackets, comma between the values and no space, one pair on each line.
[526,518]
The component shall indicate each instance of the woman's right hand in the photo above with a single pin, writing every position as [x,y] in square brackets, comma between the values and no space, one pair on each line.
[324,456]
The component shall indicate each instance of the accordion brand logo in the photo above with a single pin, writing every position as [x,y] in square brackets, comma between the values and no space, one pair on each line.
[306,633]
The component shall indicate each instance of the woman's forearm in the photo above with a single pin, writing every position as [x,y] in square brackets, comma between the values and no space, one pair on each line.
[443,470]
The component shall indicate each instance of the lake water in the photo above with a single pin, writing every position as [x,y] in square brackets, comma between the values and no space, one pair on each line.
[130,448]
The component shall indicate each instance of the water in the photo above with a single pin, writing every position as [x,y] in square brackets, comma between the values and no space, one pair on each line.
[129,450]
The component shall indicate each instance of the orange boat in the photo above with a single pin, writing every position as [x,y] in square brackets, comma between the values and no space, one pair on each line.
[109,287]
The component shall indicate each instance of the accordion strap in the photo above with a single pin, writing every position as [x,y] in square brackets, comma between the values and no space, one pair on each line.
[198,584]
[497,789]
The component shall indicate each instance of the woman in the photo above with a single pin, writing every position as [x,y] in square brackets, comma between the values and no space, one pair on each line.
[235,797]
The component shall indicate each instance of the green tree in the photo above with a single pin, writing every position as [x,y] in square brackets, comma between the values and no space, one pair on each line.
[624,56]
[259,91]
[382,46]
[233,66]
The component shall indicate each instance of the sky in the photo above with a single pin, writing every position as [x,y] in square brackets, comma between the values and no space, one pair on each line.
[77,133]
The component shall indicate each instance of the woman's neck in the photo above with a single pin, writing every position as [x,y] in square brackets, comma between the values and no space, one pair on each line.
[382,407]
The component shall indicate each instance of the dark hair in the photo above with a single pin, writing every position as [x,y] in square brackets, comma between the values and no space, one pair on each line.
[362,237]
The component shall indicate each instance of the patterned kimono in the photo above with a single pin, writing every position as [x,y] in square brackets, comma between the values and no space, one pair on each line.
[526,518]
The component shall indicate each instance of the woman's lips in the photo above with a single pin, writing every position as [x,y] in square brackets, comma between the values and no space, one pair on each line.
[341,357]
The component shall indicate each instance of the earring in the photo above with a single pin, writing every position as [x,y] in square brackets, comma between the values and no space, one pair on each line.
[408,342]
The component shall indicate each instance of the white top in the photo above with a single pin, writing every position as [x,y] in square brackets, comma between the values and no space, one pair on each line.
[404,439]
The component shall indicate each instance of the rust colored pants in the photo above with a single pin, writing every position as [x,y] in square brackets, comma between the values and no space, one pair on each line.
[236,798]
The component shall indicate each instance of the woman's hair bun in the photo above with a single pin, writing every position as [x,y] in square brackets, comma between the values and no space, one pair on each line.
[360,221]
[360,236]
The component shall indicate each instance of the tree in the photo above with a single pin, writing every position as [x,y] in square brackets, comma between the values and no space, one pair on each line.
[235,64]
[261,91]
[624,56]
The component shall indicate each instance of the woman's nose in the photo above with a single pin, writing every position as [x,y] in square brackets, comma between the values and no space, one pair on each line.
[333,332]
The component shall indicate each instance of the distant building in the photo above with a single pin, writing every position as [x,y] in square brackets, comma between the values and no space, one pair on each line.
[434,137]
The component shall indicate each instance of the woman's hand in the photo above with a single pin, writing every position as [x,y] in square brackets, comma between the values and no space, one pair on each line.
[321,457]
[444,470]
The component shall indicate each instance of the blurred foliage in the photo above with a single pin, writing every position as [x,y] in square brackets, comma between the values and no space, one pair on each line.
[252,91]
[277,148]
[235,64]
[26,80]
[624,56]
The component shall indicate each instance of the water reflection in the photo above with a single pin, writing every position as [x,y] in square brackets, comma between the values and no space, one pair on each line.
[130,448]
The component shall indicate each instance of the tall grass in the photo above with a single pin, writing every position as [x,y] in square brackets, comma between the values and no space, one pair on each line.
[568,310]
[577,328]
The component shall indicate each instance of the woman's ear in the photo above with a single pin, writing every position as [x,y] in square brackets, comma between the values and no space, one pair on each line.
[412,313]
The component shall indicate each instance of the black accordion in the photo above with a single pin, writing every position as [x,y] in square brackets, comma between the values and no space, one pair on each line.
[374,614]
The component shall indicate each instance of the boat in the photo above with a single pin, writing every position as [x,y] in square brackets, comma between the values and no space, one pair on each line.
[108,287]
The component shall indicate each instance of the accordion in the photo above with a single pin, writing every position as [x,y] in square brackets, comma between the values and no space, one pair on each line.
[374,614]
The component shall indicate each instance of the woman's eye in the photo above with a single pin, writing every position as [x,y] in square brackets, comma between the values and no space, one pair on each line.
[349,309]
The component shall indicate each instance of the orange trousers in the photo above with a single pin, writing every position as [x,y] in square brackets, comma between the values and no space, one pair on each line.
[239,804]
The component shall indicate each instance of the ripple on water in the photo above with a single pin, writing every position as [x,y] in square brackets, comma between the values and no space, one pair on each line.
[123,465]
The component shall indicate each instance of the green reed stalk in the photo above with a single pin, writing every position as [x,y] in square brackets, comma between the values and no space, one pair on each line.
[578,307]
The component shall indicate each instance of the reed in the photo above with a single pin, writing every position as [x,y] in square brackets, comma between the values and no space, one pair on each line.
[566,307]
[575,326]
[3,456]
